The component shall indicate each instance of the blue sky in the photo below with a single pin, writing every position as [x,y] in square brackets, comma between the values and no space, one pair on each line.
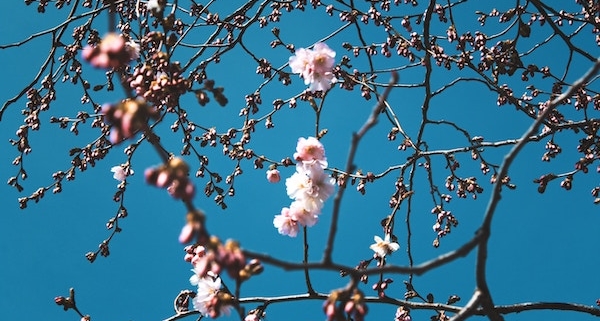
[543,246]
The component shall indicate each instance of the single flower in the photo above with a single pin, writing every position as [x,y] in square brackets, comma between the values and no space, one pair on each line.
[285,223]
[120,173]
[209,300]
[382,247]
[310,149]
[315,66]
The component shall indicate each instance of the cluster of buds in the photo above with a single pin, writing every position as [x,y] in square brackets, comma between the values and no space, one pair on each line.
[127,118]
[353,305]
[174,176]
[444,222]
[112,52]
[381,286]
[215,257]
[464,187]
[159,81]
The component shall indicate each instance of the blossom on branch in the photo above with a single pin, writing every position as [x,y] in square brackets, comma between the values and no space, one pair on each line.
[309,187]
[315,66]
[303,216]
[285,223]
[210,300]
[382,247]
[310,149]
[121,172]
[112,52]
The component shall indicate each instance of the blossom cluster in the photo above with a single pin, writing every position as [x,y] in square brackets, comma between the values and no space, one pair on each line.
[309,187]
[315,66]
[210,300]
[112,52]
[208,262]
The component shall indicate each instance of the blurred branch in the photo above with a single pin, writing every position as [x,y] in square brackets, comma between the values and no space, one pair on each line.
[356,137]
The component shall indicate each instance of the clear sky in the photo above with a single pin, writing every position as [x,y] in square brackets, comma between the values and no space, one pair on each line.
[543,246]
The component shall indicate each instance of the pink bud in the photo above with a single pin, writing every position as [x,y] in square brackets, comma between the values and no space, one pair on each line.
[163,179]
[190,190]
[273,176]
[186,235]
[349,306]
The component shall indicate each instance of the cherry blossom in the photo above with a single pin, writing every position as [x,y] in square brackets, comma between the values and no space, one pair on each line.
[303,216]
[112,52]
[382,247]
[210,300]
[121,173]
[314,66]
[310,185]
[309,149]
[285,223]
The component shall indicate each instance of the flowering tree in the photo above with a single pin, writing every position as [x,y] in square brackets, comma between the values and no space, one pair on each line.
[390,106]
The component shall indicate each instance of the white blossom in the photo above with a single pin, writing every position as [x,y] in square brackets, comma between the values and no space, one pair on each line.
[382,247]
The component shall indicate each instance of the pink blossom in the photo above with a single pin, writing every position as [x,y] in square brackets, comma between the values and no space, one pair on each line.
[204,262]
[273,176]
[112,52]
[120,173]
[300,63]
[310,185]
[309,149]
[303,216]
[315,66]
[208,300]
[285,223]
